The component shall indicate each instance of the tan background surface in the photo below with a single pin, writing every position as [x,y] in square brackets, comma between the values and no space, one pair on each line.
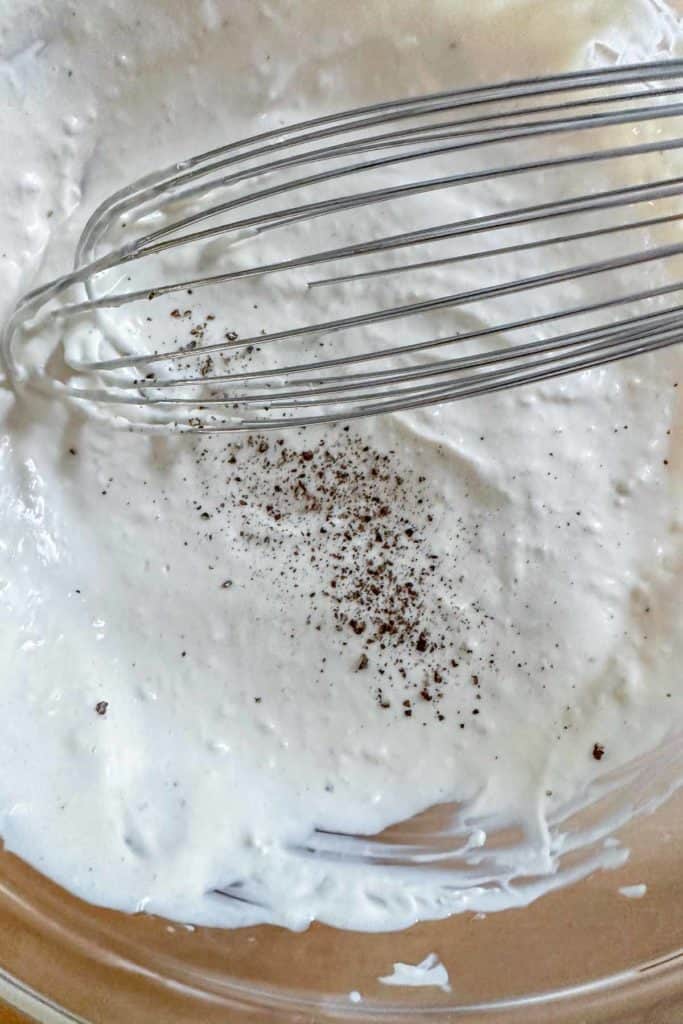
[10,1017]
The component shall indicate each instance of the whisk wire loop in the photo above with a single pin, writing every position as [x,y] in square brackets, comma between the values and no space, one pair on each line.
[585,147]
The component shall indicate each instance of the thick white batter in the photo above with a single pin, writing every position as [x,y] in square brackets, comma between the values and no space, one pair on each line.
[184,700]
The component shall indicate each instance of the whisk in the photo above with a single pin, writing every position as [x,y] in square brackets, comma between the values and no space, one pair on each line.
[398,317]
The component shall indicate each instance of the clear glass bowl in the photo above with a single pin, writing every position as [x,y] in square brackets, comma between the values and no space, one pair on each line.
[584,951]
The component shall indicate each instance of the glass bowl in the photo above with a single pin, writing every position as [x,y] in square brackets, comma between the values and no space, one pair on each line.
[587,951]
[595,949]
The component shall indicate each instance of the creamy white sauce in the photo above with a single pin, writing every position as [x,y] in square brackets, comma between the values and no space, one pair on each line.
[633,892]
[429,972]
[238,740]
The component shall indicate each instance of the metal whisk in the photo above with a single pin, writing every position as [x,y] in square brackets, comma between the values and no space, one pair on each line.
[548,184]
